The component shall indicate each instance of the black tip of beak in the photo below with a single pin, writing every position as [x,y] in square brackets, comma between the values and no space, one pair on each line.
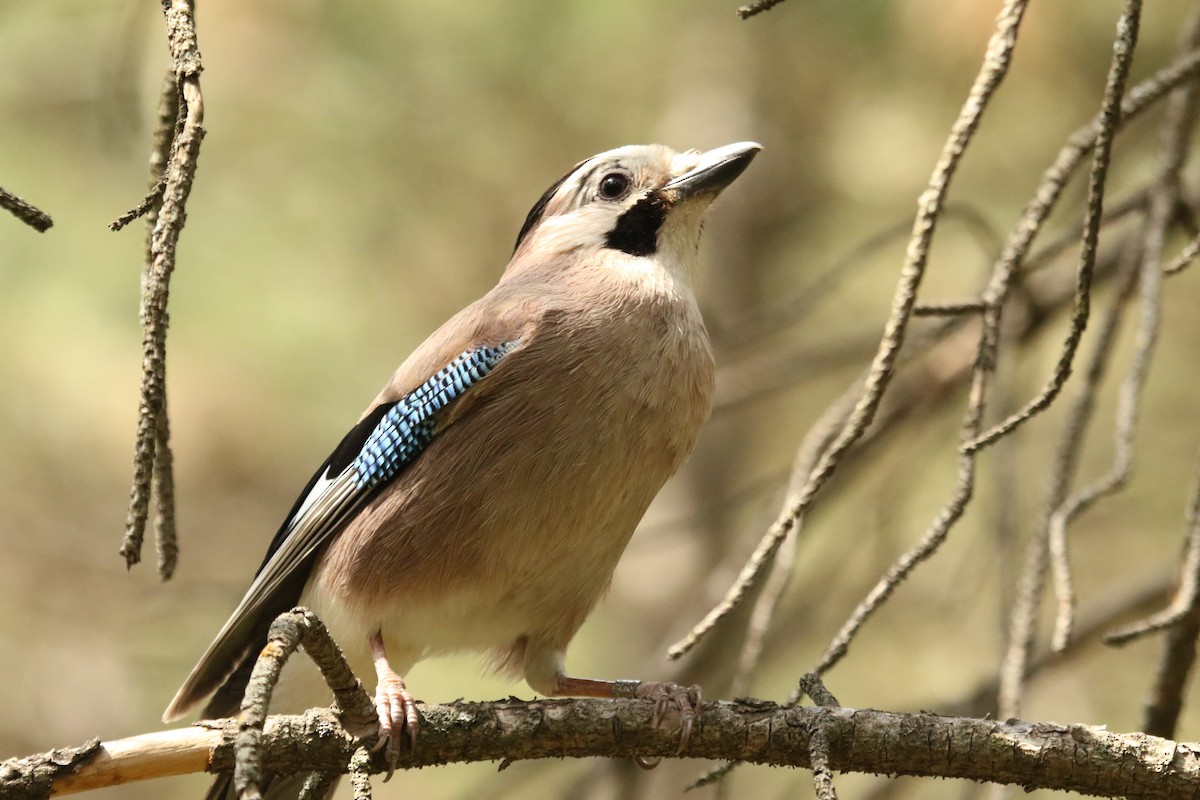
[717,169]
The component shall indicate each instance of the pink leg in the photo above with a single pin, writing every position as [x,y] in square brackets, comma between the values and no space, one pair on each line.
[397,708]
[669,699]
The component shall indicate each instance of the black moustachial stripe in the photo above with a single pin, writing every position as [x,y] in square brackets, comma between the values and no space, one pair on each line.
[636,232]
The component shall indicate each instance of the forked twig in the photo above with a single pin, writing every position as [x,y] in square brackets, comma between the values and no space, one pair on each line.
[1187,596]
[1031,580]
[984,366]
[290,630]
[1106,129]
[995,66]
[1177,128]
[1021,634]
[173,163]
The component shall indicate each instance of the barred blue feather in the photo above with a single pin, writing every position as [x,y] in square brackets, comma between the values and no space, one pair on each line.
[374,452]
[408,427]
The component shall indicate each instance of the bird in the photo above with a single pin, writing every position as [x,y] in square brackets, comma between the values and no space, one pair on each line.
[483,499]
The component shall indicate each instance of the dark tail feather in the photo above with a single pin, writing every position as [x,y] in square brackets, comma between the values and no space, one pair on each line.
[227,701]
[275,787]
[221,788]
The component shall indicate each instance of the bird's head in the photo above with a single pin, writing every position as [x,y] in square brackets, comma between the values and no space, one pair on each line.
[638,201]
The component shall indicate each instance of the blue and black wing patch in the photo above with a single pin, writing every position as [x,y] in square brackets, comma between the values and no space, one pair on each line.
[378,449]
[373,453]
[407,427]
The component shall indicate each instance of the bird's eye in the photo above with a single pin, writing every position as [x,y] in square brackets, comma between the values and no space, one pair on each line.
[614,186]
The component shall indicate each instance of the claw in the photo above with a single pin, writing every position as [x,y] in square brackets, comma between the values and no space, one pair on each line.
[397,711]
[669,699]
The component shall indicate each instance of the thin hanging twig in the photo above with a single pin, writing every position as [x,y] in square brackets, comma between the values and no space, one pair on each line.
[1031,580]
[1110,115]
[1182,621]
[1122,58]
[152,462]
[1177,128]
[1185,257]
[929,206]
[1187,596]
[1021,635]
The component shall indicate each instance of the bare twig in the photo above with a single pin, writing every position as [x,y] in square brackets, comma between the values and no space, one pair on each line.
[760,619]
[1179,647]
[318,785]
[1054,530]
[1185,257]
[360,774]
[1123,602]
[811,685]
[293,629]
[25,211]
[757,7]
[168,221]
[1110,115]
[1181,619]
[985,360]
[165,133]
[713,775]
[1187,598]
[818,759]
[1170,682]
[778,317]
[949,309]
[929,206]
[1029,593]
[151,201]
[815,443]
[1178,125]
[1113,212]
[964,487]
[1031,581]
[166,541]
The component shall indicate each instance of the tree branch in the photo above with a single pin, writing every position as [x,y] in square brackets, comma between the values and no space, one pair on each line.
[1035,755]
[929,209]
[25,211]
[166,207]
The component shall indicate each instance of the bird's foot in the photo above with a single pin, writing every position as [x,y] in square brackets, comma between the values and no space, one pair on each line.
[397,711]
[671,702]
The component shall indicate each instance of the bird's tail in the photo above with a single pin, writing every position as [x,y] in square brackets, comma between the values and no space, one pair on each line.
[274,787]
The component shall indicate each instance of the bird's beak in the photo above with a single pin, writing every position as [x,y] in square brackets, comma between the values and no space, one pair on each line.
[713,171]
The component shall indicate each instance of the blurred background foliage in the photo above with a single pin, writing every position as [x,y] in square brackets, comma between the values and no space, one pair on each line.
[366,169]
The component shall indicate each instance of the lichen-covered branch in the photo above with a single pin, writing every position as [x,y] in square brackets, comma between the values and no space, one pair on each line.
[25,211]
[1034,755]
[178,137]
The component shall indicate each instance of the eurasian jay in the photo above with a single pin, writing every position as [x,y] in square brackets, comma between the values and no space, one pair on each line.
[485,496]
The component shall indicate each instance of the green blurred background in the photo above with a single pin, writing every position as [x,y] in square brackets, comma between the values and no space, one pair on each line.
[366,169]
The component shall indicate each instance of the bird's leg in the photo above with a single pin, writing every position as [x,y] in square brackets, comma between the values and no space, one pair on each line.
[397,708]
[668,699]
